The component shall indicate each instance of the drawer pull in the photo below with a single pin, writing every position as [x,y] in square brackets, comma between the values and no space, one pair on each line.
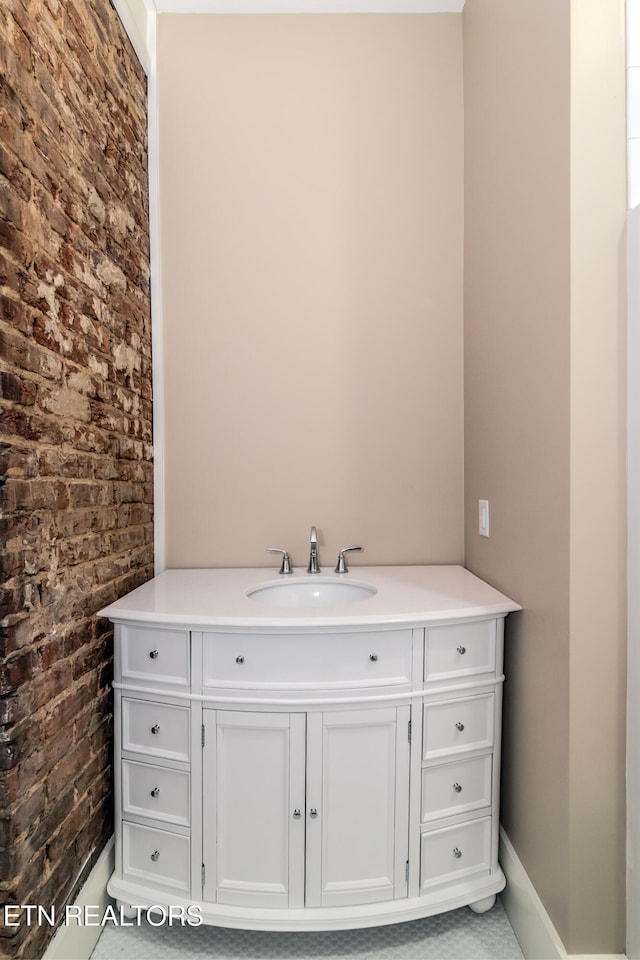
[459,726]
[153,654]
[240,659]
[155,792]
[313,812]
[155,728]
[457,788]
[296,814]
[457,853]
[461,650]
[155,855]
[373,657]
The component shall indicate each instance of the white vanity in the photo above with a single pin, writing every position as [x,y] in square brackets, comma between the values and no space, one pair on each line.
[312,756]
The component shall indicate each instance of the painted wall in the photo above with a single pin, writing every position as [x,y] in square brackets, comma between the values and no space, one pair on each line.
[311,211]
[633,598]
[598,474]
[633,477]
[544,430]
[633,101]
[311,215]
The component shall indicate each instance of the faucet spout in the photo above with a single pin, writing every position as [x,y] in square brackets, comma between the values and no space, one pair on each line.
[313,567]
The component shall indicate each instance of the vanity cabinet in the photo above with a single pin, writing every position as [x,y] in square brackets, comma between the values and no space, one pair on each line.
[298,775]
[310,808]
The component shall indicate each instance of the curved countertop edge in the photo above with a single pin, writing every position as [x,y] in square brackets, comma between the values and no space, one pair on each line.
[405,596]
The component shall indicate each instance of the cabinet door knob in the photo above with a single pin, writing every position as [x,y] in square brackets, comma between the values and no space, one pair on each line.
[373,657]
[296,814]
[457,853]
[461,649]
[459,726]
[457,788]
[240,659]
[153,654]
[155,728]
[155,855]
[155,792]
[313,812]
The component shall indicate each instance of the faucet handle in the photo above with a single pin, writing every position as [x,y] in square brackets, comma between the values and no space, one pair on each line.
[341,566]
[286,566]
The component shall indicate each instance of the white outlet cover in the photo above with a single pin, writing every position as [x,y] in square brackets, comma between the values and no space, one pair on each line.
[483,518]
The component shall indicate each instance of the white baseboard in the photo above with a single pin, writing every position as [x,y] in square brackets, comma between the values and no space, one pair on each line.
[73,941]
[536,934]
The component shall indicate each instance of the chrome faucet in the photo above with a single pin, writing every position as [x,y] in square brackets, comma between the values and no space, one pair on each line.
[286,564]
[313,553]
[341,565]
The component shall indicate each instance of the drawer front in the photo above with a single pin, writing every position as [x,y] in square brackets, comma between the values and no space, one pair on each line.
[332,661]
[155,857]
[455,726]
[154,657]
[459,650]
[157,792]
[455,852]
[451,788]
[155,729]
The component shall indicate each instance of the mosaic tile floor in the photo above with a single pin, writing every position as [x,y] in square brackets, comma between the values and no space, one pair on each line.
[456,935]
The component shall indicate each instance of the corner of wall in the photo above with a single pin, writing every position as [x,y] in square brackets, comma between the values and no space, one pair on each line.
[76,941]
[136,16]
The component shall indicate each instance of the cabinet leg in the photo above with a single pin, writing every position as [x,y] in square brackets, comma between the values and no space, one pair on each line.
[126,910]
[481,906]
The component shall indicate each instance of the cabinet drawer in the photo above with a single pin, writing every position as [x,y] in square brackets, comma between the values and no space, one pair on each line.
[157,792]
[155,729]
[455,852]
[154,656]
[454,726]
[332,661]
[450,788]
[155,857]
[459,650]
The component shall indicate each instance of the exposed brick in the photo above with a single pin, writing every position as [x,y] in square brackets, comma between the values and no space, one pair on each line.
[16,243]
[27,357]
[64,775]
[15,671]
[76,476]
[17,314]
[17,389]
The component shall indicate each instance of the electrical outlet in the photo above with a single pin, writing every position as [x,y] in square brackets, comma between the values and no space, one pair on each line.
[483,518]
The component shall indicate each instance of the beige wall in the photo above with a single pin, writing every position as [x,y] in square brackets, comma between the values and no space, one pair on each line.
[311,217]
[544,213]
[598,471]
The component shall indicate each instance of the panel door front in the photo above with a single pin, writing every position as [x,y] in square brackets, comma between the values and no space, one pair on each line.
[357,806]
[253,808]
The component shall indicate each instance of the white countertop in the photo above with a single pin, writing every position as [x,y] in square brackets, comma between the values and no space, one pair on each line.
[407,596]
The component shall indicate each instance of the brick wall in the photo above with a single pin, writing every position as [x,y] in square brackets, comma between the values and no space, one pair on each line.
[75,451]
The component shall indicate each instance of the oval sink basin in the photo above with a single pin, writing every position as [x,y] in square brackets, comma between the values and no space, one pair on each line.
[313,592]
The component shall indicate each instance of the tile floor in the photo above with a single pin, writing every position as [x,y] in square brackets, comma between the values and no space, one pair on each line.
[456,935]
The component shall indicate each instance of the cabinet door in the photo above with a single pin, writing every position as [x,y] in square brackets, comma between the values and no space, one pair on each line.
[357,806]
[253,808]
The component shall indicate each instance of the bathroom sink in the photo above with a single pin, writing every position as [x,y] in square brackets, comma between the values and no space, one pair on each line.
[313,592]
